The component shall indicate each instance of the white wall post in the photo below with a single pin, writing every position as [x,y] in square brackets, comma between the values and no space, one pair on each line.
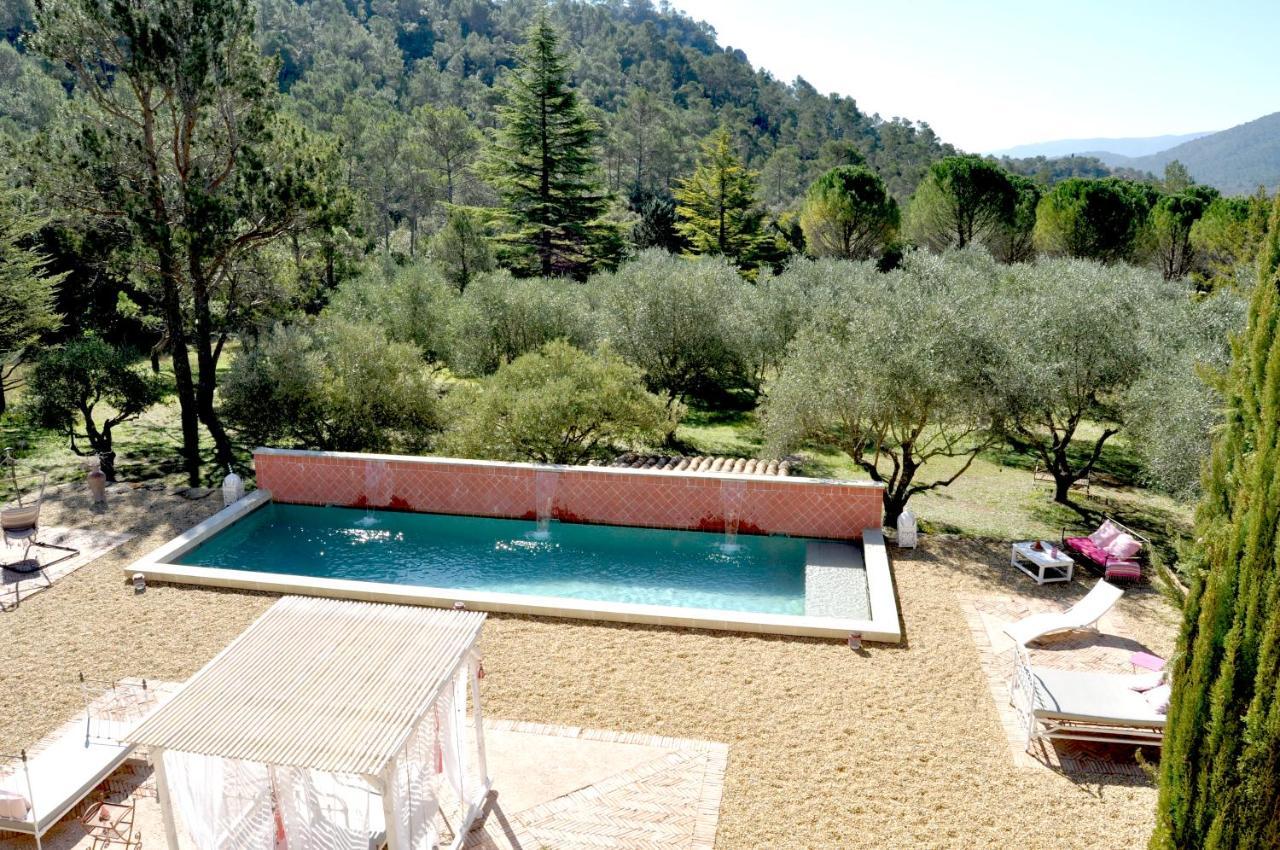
[165,798]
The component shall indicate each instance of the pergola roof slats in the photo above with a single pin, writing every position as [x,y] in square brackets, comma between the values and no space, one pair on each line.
[326,684]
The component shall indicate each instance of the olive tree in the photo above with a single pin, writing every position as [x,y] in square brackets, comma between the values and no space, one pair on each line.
[1174,410]
[336,385]
[674,319]
[410,303]
[1080,336]
[900,373]
[558,404]
[500,317]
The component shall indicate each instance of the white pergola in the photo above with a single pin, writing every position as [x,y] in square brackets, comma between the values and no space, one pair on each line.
[326,724]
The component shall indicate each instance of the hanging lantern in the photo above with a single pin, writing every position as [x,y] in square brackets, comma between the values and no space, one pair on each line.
[232,488]
[907,530]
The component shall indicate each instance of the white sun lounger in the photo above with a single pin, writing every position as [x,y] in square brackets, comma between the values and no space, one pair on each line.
[1083,615]
[64,767]
[1081,705]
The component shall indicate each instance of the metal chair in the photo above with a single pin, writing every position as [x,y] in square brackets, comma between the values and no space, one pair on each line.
[21,525]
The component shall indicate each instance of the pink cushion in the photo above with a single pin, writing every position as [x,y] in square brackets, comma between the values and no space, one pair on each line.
[1106,532]
[13,805]
[1146,681]
[1124,569]
[1124,547]
[1158,699]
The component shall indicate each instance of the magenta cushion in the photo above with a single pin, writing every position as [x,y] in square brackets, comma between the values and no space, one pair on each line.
[1089,549]
[1124,547]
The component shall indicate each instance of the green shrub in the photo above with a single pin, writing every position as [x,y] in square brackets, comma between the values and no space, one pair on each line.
[336,385]
[557,405]
[500,317]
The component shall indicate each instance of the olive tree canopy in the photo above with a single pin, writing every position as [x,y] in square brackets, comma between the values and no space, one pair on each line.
[898,372]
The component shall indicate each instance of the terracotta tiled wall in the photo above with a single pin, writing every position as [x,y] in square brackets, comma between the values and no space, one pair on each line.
[799,507]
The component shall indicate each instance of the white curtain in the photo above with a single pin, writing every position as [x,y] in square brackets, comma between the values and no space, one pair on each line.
[222,804]
[411,787]
[327,811]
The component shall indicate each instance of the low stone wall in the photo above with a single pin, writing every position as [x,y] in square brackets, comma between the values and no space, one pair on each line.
[801,507]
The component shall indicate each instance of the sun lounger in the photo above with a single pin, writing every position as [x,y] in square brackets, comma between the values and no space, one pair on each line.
[1084,706]
[1083,615]
[67,765]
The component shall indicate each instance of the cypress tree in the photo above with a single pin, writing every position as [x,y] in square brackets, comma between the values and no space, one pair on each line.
[718,211]
[543,165]
[1220,770]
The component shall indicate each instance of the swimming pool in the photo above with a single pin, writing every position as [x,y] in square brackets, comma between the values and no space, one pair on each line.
[622,564]
[632,545]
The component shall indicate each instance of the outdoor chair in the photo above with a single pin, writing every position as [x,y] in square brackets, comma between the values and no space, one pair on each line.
[21,525]
[1083,615]
[1079,705]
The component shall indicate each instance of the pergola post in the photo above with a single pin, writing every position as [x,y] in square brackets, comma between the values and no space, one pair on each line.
[165,798]
[389,821]
[482,766]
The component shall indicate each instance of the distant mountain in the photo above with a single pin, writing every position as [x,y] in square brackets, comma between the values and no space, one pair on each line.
[1235,161]
[1133,147]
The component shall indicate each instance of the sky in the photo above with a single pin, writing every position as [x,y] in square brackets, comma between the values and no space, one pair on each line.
[991,74]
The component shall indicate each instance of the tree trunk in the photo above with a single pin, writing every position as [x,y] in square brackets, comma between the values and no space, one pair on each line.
[108,465]
[1062,487]
[4,402]
[207,379]
[894,504]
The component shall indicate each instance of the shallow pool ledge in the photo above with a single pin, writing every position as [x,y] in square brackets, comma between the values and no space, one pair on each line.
[882,627]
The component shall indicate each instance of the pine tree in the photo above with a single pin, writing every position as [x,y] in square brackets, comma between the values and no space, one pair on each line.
[543,165]
[718,210]
[1220,770]
[27,292]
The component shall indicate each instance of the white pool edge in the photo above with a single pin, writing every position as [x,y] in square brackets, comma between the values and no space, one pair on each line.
[883,626]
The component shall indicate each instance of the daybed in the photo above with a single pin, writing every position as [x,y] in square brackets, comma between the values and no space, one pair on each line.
[1114,550]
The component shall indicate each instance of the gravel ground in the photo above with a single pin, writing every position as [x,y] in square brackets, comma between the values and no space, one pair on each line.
[890,747]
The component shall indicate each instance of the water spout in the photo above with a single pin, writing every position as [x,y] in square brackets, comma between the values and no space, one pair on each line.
[732,495]
[545,482]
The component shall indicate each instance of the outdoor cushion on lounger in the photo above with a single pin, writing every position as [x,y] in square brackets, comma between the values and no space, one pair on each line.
[1086,697]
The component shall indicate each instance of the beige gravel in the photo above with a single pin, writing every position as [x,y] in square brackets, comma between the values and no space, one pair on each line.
[891,747]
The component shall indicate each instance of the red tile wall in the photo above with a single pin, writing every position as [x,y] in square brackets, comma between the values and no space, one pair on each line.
[798,507]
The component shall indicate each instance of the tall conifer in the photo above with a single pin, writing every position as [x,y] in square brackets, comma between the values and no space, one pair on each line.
[718,210]
[1220,770]
[543,165]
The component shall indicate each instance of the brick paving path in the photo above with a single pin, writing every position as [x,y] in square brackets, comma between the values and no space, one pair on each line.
[671,802]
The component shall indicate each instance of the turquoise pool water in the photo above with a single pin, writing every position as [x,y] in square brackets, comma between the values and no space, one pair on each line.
[686,569]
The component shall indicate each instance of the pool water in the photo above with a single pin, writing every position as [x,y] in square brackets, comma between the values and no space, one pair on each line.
[686,569]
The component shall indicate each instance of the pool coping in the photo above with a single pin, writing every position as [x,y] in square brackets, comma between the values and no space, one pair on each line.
[882,627]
